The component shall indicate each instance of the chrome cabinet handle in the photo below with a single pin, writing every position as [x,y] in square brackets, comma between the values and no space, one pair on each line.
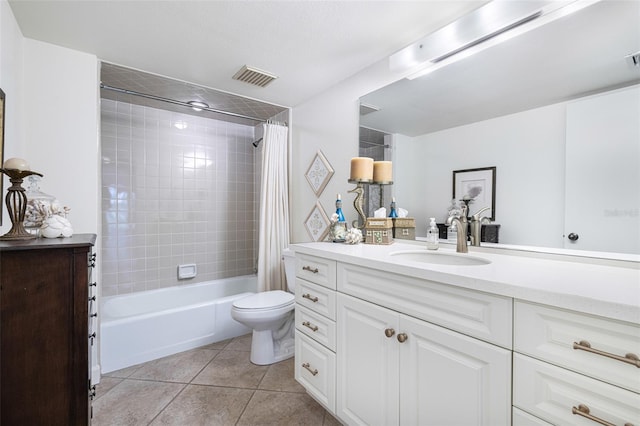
[310,269]
[573,236]
[389,332]
[307,366]
[310,297]
[309,325]
[629,358]
[402,337]
[584,411]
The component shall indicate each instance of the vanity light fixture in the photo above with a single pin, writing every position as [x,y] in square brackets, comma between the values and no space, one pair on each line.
[198,105]
[491,24]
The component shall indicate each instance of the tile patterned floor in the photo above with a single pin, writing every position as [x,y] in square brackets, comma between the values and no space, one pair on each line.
[210,385]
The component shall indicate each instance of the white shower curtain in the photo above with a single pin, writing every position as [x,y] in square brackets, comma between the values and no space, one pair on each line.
[273,233]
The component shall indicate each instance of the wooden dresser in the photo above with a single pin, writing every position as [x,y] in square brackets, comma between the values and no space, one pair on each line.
[46,303]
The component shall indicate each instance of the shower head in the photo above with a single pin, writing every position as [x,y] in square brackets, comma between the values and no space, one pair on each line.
[256,143]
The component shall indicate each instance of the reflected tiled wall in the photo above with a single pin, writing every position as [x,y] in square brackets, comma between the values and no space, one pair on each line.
[173,194]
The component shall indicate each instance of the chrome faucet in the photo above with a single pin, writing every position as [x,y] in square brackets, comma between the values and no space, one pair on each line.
[461,224]
[476,226]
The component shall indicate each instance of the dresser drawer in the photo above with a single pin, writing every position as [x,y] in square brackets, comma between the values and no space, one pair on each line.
[317,298]
[555,335]
[315,369]
[481,315]
[521,418]
[318,327]
[554,394]
[317,270]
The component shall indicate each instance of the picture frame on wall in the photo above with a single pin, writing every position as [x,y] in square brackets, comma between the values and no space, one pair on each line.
[477,189]
[2,115]
[319,173]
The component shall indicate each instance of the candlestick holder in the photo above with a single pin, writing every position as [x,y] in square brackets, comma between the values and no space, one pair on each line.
[16,201]
[358,202]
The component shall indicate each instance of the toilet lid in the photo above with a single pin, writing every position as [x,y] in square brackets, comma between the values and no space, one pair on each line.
[266,300]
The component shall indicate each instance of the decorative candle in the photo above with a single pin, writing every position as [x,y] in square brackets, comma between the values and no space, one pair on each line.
[361,168]
[382,171]
[16,164]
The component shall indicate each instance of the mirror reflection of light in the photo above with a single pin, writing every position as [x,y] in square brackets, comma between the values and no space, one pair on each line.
[181,124]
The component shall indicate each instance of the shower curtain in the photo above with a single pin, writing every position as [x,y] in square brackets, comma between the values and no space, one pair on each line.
[273,235]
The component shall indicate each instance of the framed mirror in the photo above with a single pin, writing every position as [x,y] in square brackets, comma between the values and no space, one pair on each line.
[2,101]
[530,106]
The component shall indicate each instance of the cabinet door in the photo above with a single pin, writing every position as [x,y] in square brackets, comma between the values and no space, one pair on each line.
[367,371]
[447,378]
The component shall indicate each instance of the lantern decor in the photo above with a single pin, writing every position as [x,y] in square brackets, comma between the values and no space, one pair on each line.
[16,199]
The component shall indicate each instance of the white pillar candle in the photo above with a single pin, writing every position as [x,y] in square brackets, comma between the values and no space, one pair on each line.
[16,164]
[361,168]
[382,171]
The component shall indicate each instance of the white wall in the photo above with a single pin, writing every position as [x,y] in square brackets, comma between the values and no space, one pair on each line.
[60,114]
[531,143]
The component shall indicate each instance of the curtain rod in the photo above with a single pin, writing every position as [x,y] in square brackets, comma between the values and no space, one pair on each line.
[172,101]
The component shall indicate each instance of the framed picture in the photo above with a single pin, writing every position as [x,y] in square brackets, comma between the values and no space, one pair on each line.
[319,173]
[317,223]
[477,189]
[1,148]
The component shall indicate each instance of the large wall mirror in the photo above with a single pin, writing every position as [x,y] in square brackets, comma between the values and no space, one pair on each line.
[556,110]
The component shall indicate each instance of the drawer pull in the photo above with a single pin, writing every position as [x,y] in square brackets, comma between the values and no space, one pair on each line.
[628,358]
[584,411]
[389,332]
[307,366]
[310,269]
[402,337]
[308,325]
[310,297]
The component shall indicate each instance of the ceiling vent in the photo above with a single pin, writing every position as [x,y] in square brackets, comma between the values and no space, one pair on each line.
[368,109]
[254,76]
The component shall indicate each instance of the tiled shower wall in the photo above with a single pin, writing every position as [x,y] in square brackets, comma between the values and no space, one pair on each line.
[175,196]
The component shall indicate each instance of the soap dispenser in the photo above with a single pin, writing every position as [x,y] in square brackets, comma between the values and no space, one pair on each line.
[433,235]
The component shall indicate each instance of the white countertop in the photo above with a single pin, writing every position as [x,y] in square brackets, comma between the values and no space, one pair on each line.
[577,284]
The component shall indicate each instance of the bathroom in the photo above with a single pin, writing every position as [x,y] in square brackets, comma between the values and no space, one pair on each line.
[56,83]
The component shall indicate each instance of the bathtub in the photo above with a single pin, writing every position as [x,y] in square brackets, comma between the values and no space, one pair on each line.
[143,326]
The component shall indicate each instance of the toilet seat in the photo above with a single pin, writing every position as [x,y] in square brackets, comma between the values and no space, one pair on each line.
[266,300]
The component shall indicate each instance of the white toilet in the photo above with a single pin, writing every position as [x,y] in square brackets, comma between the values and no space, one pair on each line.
[270,314]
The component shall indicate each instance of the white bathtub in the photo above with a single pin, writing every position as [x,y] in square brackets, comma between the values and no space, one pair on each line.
[143,326]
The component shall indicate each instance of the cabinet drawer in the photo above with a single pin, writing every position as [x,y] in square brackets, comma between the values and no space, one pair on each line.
[549,334]
[318,327]
[315,369]
[476,314]
[551,393]
[317,298]
[317,270]
[521,418]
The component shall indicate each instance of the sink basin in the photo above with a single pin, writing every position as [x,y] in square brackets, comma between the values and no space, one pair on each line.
[439,258]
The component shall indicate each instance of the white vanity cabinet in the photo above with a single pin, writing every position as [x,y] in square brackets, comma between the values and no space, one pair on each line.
[397,370]
[575,369]
[315,335]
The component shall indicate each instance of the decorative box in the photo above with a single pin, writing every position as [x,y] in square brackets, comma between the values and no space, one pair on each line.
[490,233]
[404,228]
[378,230]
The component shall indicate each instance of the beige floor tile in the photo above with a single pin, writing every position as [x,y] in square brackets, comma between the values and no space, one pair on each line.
[181,367]
[280,377]
[125,372]
[205,405]
[241,343]
[217,345]
[133,402]
[282,408]
[329,420]
[105,385]
[231,368]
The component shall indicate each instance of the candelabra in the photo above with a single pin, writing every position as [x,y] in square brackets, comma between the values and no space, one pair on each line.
[358,202]
[16,201]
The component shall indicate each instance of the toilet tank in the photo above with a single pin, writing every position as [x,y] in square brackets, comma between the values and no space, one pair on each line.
[289,259]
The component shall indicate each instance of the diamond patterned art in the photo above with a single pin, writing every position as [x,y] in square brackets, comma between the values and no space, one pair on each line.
[317,223]
[319,173]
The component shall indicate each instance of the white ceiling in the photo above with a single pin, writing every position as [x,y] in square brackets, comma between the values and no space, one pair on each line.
[309,45]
